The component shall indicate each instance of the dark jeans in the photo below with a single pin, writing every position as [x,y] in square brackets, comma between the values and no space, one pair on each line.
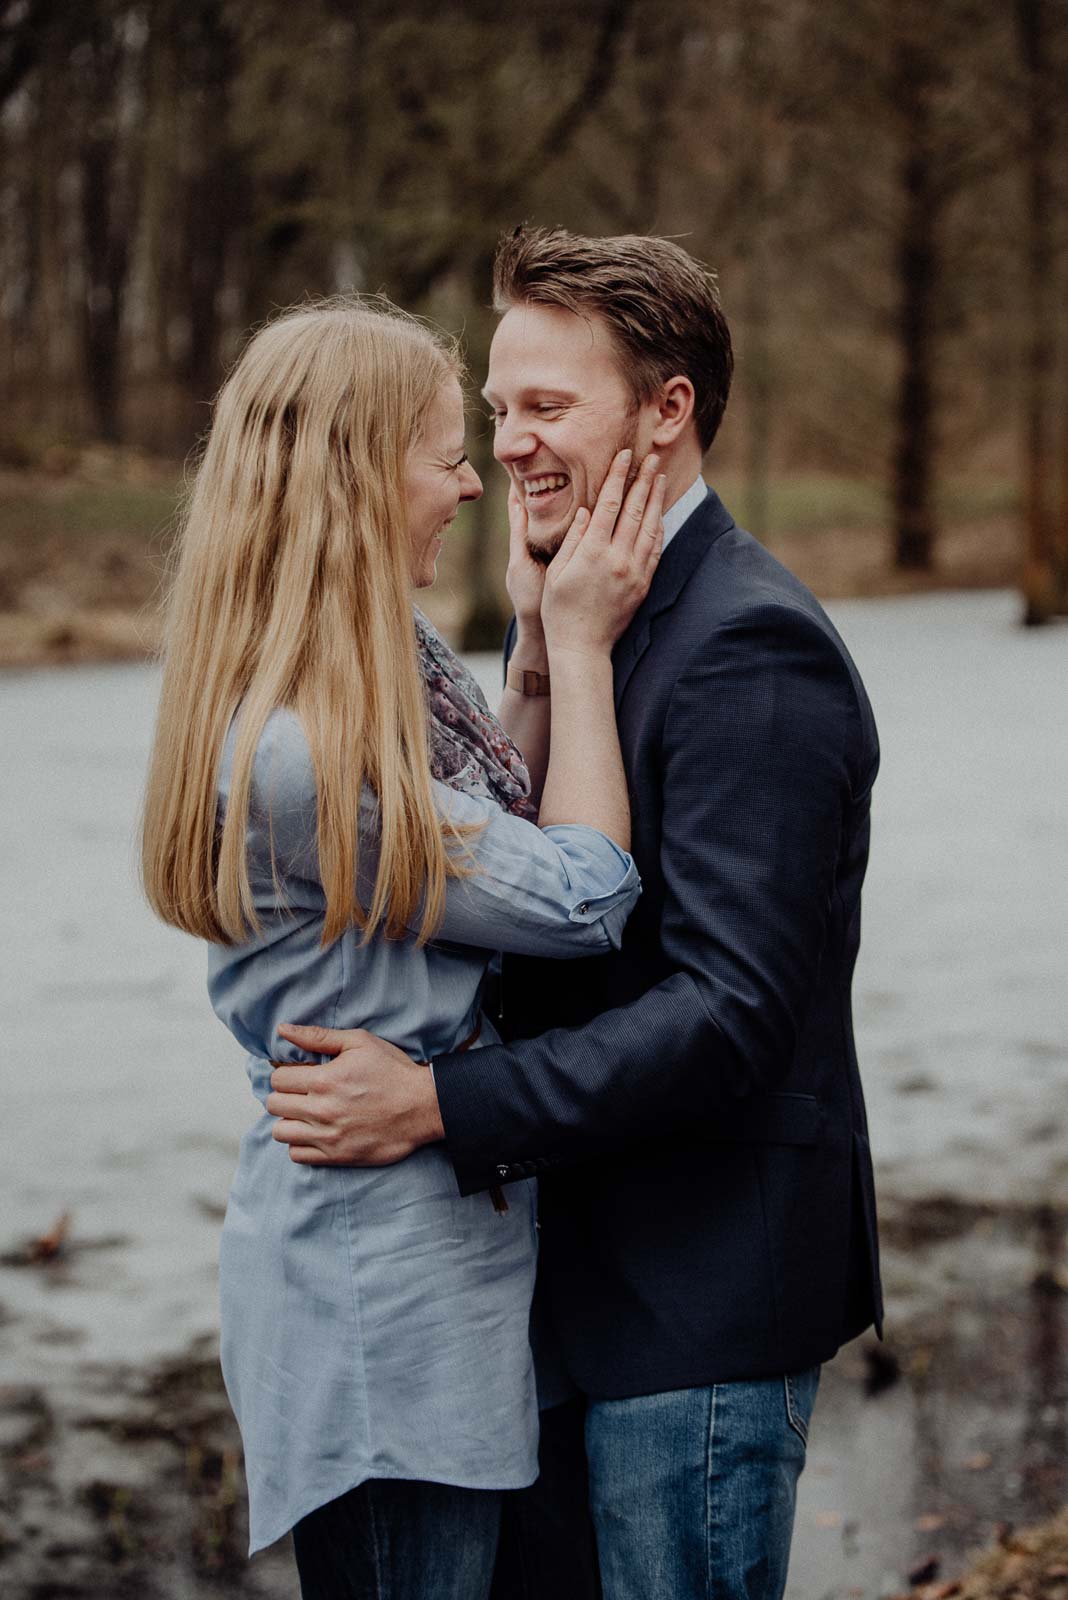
[395,1539]
[690,1496]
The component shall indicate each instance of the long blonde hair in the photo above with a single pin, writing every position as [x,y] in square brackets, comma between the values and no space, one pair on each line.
[292,588]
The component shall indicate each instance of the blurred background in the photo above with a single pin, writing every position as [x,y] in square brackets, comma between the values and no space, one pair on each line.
[881,186]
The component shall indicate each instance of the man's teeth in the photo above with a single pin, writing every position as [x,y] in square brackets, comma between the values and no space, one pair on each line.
[541,485]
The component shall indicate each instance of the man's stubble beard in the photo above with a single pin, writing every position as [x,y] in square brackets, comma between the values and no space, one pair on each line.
[544,553]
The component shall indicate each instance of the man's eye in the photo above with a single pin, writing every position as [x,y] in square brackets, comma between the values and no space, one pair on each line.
[456,465]
[495,417]
[548,408]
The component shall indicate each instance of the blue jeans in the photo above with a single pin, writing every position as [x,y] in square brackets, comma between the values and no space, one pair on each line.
[691,1496]
[397,1539]
[692,1492]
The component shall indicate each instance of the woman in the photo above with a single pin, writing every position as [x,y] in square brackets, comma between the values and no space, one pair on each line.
[345,867]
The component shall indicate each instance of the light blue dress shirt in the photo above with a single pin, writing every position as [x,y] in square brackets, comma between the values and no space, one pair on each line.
[683,509]
[374,1323]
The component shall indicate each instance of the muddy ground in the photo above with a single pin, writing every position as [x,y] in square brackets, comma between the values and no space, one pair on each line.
[125,1480]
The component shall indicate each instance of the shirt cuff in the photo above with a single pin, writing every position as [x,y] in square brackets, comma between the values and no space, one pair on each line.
[606,875]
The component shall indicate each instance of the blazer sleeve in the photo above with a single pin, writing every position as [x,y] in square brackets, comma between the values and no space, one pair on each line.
[762,762]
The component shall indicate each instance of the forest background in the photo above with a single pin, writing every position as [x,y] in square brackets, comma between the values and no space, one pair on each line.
[879,184]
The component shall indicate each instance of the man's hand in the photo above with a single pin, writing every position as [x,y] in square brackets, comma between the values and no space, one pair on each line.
[370,1107]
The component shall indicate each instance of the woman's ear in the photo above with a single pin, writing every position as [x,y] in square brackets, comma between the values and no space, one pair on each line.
[675,407]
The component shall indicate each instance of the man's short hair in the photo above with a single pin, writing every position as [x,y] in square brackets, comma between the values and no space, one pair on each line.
[660,305]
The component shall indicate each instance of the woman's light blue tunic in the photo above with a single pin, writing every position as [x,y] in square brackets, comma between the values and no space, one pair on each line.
[374,1323]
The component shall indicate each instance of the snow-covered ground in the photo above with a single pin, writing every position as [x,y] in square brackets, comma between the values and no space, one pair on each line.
[124,1099]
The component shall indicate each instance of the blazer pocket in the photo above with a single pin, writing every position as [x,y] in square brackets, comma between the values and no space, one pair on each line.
[777,1118]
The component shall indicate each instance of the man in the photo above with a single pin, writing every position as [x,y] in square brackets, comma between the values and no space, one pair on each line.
[690,1104]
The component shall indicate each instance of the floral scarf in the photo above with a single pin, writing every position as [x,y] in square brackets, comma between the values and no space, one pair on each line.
[469,750]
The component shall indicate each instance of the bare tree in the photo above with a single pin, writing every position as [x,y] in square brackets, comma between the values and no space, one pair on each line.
[918,271]
[1045,569]
[108,56]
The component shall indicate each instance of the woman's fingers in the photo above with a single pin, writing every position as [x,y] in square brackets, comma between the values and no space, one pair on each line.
[517,519]
[610,500]
[572,540]
[598,525]
[650,538]
[602,573]
[632,513]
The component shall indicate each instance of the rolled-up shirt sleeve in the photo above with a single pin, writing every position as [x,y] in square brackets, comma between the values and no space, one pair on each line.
[565,890]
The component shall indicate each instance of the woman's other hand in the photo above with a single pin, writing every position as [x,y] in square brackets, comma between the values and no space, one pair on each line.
[602,571]
[525,579]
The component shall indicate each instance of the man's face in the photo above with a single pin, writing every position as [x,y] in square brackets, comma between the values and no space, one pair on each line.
[561,410]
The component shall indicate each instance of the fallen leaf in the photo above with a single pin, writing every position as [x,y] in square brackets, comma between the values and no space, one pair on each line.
[828,1519]
[920,1362]
[49,1245]
[930,1523]
[978,1462]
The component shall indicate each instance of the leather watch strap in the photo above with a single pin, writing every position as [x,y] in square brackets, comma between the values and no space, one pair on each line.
[527,682]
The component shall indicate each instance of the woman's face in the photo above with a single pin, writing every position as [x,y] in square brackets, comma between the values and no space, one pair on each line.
[438,477]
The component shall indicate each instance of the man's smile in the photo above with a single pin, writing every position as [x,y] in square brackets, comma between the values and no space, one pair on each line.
[541,491]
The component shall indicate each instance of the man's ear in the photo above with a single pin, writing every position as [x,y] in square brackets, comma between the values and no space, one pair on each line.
[675,407]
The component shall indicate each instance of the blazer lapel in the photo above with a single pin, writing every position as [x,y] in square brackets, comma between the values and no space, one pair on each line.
[677,565]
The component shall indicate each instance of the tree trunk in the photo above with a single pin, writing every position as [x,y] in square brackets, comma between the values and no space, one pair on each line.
[51,310]
[756,350]
[758,391]
[110,174]
[917,262]
[163,137]
[105,273]
[1043,586]
[211,203]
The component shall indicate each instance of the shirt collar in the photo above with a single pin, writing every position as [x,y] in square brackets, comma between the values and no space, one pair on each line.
[684,507]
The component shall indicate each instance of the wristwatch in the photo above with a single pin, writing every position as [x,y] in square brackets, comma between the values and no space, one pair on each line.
[525,681]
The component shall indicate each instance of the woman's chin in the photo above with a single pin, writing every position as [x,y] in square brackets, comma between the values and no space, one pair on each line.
[425,572]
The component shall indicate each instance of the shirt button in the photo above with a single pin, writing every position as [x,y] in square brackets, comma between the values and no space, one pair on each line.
[583,909]
[504,1171]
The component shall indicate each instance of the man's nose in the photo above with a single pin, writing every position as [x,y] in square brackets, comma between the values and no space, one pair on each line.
[512,441]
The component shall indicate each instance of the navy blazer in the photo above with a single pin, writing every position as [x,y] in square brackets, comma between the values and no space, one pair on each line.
[691,1103]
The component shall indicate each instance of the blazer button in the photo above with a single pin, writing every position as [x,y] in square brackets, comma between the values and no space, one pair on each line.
[504,1171]
[583,909]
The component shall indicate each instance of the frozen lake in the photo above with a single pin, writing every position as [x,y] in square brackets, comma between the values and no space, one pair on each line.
[125,1098]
